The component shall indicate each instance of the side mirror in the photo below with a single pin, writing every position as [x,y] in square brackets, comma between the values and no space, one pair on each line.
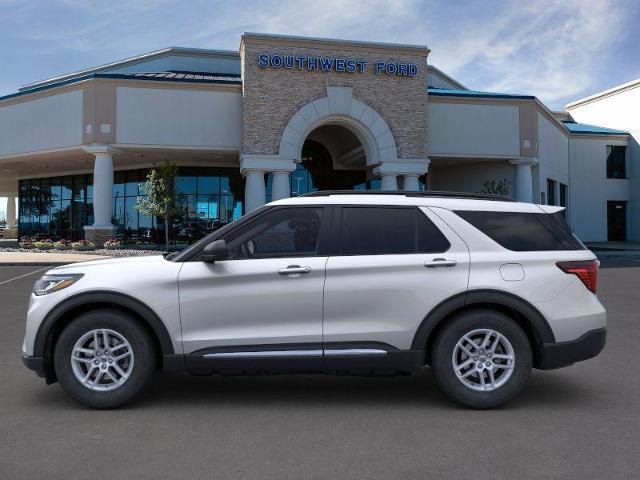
[215,251]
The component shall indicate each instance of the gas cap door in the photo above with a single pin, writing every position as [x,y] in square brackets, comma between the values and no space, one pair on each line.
[512,272]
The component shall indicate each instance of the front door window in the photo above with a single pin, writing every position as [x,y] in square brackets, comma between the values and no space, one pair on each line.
[285,232]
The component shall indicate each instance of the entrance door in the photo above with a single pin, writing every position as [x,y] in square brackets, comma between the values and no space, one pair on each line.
[267,297]
[617,221]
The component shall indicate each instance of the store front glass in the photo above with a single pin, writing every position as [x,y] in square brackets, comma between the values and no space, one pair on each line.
[59,207]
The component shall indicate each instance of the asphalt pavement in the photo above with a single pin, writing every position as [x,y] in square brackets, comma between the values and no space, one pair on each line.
[581,422]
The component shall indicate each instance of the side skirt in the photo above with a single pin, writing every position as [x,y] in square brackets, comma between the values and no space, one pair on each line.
[340,359]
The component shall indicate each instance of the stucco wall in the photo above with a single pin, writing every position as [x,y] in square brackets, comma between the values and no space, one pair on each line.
[620,111]
[271,96]
[45,123]
[191,118]
[468,129]
[553,157]
[469,176]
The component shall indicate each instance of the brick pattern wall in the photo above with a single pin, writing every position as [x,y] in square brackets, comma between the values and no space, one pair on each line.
[271,96]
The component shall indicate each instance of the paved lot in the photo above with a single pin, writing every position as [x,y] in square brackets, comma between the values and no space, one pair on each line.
[581,422]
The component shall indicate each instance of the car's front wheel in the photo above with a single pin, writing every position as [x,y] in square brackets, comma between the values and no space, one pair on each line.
[104,358]
[481,358]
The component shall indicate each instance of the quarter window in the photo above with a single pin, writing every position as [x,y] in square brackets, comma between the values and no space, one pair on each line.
[285,232]
[388,230]
[524,232]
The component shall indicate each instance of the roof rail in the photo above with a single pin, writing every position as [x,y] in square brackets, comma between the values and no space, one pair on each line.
[425,193]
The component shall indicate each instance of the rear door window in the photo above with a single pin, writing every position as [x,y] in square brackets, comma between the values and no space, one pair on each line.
[524,232]
[388,230]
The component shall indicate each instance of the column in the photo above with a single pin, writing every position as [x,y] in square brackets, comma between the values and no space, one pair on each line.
[11,212]
[253,167]
[103,190]
[102,229]
[389,182]
[280,187]
[254,190]
[524,179]
[410,183]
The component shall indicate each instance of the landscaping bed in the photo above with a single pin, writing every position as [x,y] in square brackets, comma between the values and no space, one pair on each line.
[123,252]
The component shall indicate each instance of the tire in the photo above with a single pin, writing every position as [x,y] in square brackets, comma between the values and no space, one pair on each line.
[125,370]
[509,340]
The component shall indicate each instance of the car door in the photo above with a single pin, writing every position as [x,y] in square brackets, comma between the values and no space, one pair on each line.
[267,296]
[392,265]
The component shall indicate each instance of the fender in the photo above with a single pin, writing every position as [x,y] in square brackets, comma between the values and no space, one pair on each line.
[530,313]
[113,298]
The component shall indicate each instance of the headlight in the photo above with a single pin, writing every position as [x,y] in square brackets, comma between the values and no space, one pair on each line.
[52,283]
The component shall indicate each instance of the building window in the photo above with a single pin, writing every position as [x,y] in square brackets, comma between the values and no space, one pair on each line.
[616,161]
[60,207]
[55,207]
[551,191]
[564,190]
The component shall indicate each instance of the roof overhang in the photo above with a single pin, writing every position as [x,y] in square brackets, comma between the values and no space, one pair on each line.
[605,93]
[145,57]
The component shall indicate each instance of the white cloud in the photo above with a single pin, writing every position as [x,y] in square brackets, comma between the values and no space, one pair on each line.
[546,48]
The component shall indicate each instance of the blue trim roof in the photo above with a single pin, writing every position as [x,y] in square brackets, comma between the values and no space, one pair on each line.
[585,128]
[445,92]
[229,79]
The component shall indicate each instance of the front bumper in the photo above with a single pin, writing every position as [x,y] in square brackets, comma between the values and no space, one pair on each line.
[556,355]
[34,363]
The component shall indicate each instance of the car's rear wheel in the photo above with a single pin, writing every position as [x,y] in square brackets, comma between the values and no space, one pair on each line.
[481,358]
[104,358]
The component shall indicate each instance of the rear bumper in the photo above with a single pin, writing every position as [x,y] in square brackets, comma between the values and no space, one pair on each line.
[556,355]
[34,363]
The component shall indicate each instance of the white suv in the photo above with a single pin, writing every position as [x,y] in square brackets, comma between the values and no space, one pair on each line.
[479,288]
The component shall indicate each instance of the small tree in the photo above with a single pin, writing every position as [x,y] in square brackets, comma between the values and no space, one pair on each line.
[497,188]
[160,191]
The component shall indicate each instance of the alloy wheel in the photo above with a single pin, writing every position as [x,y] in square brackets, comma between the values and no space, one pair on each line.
[102,360]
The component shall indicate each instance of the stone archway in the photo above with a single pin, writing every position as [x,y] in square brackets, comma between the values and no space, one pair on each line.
[340,108]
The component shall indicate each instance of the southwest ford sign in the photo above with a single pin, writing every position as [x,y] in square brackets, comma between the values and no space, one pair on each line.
[334,64]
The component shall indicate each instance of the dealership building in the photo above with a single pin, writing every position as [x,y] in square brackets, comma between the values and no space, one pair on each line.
[287,115]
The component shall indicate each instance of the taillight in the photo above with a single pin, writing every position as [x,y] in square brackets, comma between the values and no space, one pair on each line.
[586,271]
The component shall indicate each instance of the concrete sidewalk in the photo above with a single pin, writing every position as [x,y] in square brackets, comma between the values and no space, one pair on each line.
[32,258]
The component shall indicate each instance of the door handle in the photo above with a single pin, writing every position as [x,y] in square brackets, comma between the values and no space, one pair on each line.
[294,269]
[440,262]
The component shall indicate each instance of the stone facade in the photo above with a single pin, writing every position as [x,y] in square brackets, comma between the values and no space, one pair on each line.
[271,96]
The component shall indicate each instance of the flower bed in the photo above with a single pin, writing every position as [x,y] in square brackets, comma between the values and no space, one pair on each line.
[113,244]
[62,245]
[83,246]
[43,244]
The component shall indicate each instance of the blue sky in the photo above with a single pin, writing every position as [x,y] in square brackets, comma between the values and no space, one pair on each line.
[557,50]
